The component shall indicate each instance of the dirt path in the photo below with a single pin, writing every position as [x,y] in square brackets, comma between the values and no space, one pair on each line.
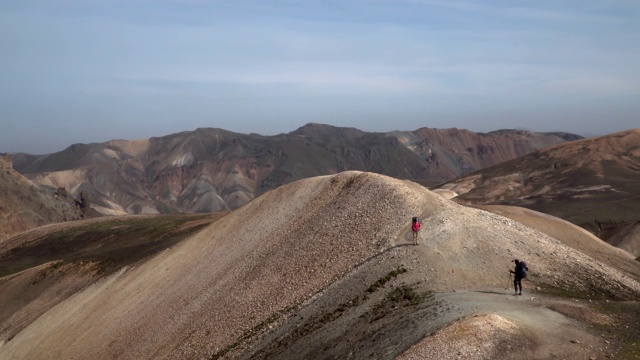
[495,324]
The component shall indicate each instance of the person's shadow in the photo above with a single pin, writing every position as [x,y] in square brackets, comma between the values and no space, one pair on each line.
[489,292]
[397,246]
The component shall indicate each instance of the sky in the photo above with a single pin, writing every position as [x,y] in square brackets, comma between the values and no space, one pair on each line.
[85,71]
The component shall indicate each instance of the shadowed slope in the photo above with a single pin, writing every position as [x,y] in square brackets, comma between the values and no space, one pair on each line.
[627,238]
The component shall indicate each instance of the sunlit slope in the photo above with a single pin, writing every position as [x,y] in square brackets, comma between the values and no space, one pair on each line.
[571,235]
[204,293]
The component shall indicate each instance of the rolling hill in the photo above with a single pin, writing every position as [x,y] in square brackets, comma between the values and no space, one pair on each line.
[323,268]
[42,267]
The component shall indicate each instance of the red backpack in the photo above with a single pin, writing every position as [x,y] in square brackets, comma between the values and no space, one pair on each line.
[415,224]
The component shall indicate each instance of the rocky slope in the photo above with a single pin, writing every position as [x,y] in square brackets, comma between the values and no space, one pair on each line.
[322,268]
[212,169]
[24,205]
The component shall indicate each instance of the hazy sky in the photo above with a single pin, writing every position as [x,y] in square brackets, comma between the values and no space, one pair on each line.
[94,70]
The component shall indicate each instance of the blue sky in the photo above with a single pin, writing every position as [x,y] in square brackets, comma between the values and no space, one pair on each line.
[91,71]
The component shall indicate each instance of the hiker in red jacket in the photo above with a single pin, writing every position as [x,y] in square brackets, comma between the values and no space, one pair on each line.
[415,227]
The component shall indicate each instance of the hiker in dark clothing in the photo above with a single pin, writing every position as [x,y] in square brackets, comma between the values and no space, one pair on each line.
[517,280]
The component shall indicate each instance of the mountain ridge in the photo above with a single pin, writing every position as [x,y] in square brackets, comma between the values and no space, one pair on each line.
[213,169]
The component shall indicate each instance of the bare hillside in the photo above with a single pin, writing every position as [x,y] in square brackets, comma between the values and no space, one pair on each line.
[42,267]
[570,234]
[593,183]
[322,268]
[627,238]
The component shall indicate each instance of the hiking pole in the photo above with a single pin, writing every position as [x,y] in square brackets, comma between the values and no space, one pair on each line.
[509,283]
[453,289]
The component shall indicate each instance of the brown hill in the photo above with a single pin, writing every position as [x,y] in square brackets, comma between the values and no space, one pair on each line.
[627,238]
[322,268]
[593,183]
[212,169]
[451,153]
[24,205]
[42,267]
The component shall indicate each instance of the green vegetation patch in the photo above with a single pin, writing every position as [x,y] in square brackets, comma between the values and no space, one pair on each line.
[385,279]
[590,290]
[316,322]
[398,297]
[111,244]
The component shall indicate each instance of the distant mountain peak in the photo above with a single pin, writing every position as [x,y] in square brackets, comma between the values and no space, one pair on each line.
[315,129]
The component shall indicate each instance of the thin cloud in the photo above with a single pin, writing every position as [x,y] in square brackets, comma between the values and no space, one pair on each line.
[147,63]
[559,11]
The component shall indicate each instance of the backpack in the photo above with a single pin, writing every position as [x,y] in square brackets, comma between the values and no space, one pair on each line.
[524,268]
[415,224]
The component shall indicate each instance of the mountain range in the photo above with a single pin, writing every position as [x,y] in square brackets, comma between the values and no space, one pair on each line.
[212,169]
[323,266]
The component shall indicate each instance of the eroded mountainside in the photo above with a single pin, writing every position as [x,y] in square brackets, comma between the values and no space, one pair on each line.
[593,183]
[24,205]
[212,169]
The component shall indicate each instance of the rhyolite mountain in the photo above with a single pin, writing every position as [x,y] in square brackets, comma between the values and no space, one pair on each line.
[593,183]
[213,169]
[25,205]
